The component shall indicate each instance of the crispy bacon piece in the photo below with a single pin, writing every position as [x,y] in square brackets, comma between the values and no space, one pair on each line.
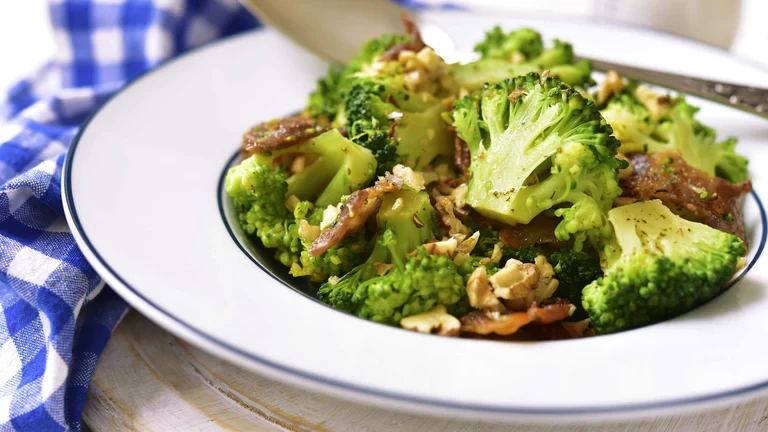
[687,191]
[540,230]
[461,158]
[483,323]
[282,133]
[355,212]
[416,44]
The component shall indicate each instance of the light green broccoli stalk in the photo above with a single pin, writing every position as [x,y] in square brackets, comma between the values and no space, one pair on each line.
[391,284]
[539,145]
[519,52]
[642,124]
[662,266]
[341,168]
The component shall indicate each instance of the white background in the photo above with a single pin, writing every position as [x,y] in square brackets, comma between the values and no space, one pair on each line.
[26,39]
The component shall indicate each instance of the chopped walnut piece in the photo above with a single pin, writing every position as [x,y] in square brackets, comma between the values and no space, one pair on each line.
[329,216]
[611,85]
[495,255]
[480,292]
[382,268]
[657,104]
[444,248]
[307,232]
[445,212]
[410,177]
[459,195]
[436,321]
[516,93]
[516,283]
[544,77]
[468,244]
[547,283]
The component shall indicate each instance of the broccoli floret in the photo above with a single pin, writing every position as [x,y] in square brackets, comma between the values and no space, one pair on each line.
[662,266]
[327,99]
[338,260]
[642,125]
[372,50]
[399,122]
[415,284]
[521,45]
[574,270]
[536,146]
[368,124]
[519,53]
[342,167]
[260,193]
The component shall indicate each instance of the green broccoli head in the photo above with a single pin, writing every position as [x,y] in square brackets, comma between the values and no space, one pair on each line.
[372,50]
[520,45]
[338,260]
[414,283]
[643,125]
[662,266]
[369,123]
[327,99]
[260,196]
[574,270]
[560,54]
[400,120]
[539,145]
[519,52]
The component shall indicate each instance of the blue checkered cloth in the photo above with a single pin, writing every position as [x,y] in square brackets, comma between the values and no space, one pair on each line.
[56,315]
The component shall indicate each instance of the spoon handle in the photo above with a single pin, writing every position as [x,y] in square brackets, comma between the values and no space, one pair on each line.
[750,99]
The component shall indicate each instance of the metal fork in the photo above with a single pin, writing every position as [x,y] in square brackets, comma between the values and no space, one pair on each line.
[334,29]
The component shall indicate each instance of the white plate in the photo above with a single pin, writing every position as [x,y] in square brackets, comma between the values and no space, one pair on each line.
[141,188]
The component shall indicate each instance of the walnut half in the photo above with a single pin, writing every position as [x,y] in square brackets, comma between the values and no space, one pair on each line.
[516,283]
[547,283]
[436,321]
[480,292]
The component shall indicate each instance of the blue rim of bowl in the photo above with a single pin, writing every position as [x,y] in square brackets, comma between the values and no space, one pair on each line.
[341,385]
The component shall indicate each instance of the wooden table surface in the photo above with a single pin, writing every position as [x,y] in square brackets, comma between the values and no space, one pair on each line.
[149,380]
